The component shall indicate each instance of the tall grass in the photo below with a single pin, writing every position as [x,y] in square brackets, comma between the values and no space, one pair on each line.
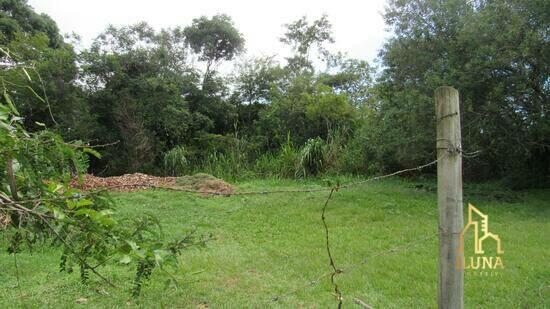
[314,158]
[232,163]
[283,164]
[175,161]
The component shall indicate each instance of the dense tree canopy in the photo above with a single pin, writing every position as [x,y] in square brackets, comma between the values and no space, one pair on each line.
[496,53]
[16,16]
[143,93]
[143,89]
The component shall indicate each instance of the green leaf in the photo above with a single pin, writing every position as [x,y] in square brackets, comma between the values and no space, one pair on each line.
[92,152]
[126,259]
[106,221]
[27,74]
[84,202]
[58,214]
[159,256]
[107,212]
[10,103]
[133,245]
[54,187]
[92,214]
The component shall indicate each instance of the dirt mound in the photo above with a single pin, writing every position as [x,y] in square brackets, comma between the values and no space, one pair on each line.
[203,183]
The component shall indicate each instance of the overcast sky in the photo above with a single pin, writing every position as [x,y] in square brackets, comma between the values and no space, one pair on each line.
[358,26]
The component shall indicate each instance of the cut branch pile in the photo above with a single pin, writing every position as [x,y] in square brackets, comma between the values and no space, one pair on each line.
[139,181]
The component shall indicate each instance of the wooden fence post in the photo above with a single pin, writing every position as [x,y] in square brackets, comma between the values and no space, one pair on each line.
[449,198]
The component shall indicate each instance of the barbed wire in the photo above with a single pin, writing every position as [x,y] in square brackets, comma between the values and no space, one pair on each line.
[309,190]
[334,270]
[351,267]
[337,271]
[264,192]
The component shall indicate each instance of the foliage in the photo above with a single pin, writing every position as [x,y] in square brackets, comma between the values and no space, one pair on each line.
[144,88]
[39,203]
[352,77]
[312,156]
[302,36]
[214,39]
[35,40]
[135,77]
[16,17]
[496,54]
[336,150]
[175,161]
[307,110]
[283,164]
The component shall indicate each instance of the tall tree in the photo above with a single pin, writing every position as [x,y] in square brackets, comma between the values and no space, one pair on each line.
[302,36]
[136,78]
[254,83]
[214,39]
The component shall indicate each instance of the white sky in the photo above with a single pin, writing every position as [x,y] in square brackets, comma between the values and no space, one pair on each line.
[358,26]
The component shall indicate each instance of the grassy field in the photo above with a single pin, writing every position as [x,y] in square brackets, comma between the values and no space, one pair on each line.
[272,246]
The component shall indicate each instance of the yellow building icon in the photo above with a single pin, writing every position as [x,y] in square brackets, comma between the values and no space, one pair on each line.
[477,220]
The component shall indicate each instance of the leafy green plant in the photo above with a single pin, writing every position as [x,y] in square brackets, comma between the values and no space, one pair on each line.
[312,156]
[175,161]
[226,157]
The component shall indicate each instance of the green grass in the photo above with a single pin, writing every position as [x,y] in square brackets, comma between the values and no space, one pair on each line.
[272,246]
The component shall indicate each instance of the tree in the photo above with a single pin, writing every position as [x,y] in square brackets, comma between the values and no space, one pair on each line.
[494,52]
[33,41]
[306,111]
[214,39]
[254,82]
[16,16]
[302,36]
[136,78]
[144,93]
[351,77]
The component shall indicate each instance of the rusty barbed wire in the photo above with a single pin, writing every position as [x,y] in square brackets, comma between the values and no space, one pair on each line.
[310,190]
[335,271]
[351,267]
